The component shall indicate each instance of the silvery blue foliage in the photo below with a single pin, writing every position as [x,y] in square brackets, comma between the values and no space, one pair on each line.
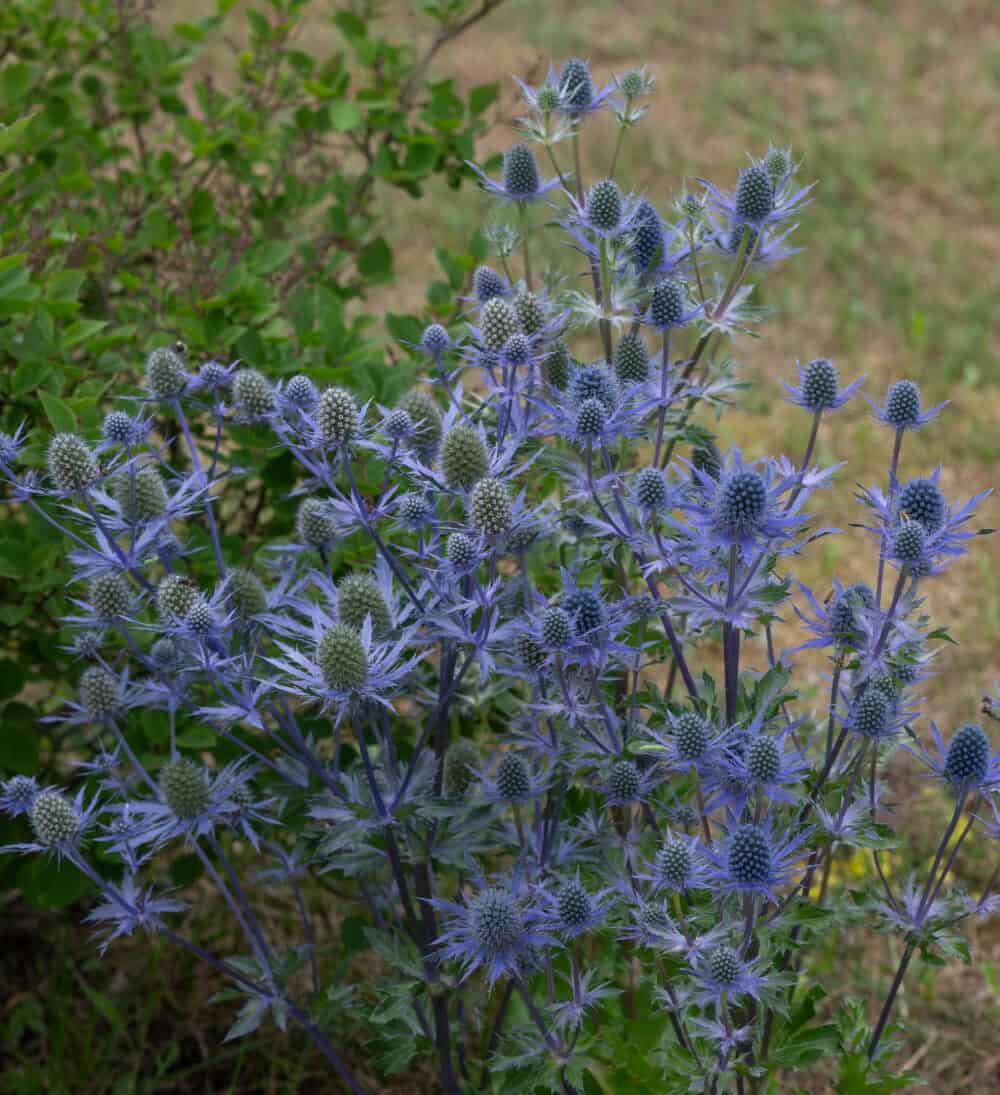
[499,685]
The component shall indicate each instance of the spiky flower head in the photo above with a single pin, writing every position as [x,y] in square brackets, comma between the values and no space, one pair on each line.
[777,163]
[576,88]
[749,856]
[558,364]
[646,243]
[426,418]
[692,206]
[967,762]
[512,780]
[18,794]
[517,349]
[496,920]
[604,206]
[398,424]
[253,393]
[201,617]
[435,339]
[109,596]
[529,650]
[820,382]
[724,965]
[118,428]
[520,172]
[631,359]
[487,284]
[690,736]
[185,787]
[557,628]
[842,615]
[666,304]
[214,374]
[908,541]
[870,713]
[650,488]
[337,416]
[358,597]
[754,200]
[54,819]
[922,501]
[72,466]
[497,322]
[675,863]
[176,596]
[764,759]
[547,98]
[741,503]
[902,408]
[530,312]
[591,418]
[99,692]
[460,551]
[415,509]
[574,904]
[707,458]
[342,658]
[742,237]
[142,497]
[302,392]
[624,781]
[166,373]
[490,508]
[461,759]
[314,524]
[594,382]
[247,595]
[585,608]
[165,652]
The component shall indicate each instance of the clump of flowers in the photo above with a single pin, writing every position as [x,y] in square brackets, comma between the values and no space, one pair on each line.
[499,685]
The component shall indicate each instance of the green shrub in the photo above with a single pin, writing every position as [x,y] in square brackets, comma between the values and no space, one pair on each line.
[216,184]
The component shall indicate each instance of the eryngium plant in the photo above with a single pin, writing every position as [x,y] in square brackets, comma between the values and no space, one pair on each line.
[541,735]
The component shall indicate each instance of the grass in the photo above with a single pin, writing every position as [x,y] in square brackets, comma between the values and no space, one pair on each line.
[891,105]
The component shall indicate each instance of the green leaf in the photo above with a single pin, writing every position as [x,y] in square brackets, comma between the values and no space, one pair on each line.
[62,418]
[196,737]
[344,114]
[482,97]
[27,376]
[248,1019]
[375,260]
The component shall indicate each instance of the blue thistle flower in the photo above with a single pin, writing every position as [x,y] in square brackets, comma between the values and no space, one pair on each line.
[487,283]
[819,387]
[521,181]
[753,860]
[902,408]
